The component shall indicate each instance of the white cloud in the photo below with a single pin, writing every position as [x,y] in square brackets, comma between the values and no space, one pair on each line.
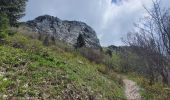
[110,21]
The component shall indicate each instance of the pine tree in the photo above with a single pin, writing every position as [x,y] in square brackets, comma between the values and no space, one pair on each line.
[80,41]
[14,9]
[4,23]
[109,52]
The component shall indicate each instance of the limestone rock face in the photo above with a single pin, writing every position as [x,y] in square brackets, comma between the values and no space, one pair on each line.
[67,31]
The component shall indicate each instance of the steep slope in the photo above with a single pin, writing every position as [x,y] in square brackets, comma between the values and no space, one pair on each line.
[29,70]
[67,31]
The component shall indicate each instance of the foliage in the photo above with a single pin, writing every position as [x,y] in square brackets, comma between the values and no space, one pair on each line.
[38,72]
[14,9]
[80,41]
[151,92]
[151,43]
[3,25]
[20,41]
[109,52]
[93,55]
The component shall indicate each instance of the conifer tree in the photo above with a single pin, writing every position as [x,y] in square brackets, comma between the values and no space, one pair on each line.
[14,9]
[80,41]
[4,23]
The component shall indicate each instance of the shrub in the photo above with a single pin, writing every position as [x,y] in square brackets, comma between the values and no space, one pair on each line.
[23,42]
[108,61]
[108,52]
[93,55]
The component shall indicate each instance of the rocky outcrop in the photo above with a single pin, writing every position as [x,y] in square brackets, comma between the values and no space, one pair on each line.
[64,30]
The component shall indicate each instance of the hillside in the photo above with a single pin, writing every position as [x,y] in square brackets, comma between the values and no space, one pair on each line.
[48,58]
[30,70]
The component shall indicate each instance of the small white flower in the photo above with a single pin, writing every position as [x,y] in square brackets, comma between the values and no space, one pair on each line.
[18,80]
[5,96]
[1,75]
[26,85]
[5,79]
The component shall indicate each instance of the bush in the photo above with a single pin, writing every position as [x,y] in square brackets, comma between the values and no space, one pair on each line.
[108,61]
[93,55]
[155,91]
[25,43]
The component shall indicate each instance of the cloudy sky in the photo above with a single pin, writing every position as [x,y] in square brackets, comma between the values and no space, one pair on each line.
[111,19]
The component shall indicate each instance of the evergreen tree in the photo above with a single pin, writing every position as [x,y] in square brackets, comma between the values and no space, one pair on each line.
[109,52]
[4,23]
[14,9]
[80,41]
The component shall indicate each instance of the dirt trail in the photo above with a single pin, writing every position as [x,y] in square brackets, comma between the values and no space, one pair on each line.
[131,90]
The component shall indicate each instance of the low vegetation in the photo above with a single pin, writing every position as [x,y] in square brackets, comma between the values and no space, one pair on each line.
[32,71]
[34,66]
[157,91]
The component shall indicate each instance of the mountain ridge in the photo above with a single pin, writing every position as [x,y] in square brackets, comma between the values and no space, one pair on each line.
[67,31]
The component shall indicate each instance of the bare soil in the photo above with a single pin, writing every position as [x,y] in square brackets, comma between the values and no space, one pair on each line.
[131,90]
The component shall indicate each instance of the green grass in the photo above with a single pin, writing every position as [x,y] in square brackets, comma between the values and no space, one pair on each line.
[33,71]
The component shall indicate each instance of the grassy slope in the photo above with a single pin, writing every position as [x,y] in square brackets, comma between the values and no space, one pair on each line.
[30,70]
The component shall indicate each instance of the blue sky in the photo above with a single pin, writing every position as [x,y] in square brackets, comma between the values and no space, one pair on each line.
[111,19]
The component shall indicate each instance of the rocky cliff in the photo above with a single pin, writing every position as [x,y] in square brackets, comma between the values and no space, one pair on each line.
[67,31]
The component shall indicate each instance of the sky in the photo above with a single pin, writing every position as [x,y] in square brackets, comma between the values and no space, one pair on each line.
[111,19]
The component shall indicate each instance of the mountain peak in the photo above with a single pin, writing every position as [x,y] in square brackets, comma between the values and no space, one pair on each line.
[67,31]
